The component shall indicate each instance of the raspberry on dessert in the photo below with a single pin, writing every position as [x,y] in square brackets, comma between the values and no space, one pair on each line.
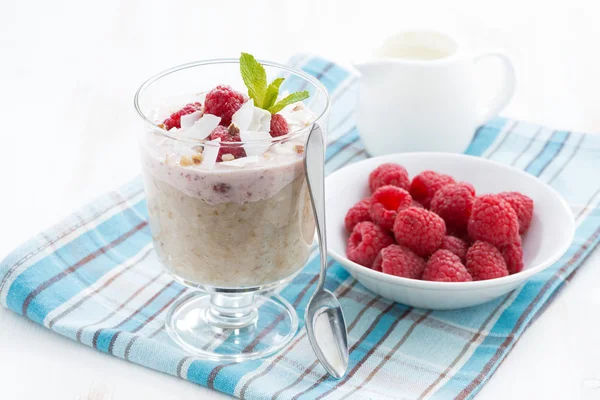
[445,266]
[513,256]
[454,204]
[174,121]
[399,261]
[424,186]
[389,174]
[279,125]
[484,261]
[456,246]
[522,205]
[231,134]
[386,201]
[493,220]
[223,102]
[420,230]
[366,240]
[357,213]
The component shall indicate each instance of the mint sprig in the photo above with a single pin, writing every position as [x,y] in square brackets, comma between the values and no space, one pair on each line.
[265,97]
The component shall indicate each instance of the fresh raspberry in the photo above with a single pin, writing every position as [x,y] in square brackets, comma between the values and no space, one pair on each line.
[493,220]
[445,266]
[484,261]
[399,261]
[279,125]
[357,213]
[456,246]
[174,121]
[387,200]
[366,240]
[454,204]
[231,134]
[416,204]
[424,186]
[389,174]
[223,102]
[468,186]
[513,256]
[420,230]
[522,205]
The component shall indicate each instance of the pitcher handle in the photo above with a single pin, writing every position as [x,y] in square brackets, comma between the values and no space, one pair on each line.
[505,93]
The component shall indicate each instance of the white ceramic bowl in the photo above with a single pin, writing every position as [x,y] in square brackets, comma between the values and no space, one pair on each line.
[548,238]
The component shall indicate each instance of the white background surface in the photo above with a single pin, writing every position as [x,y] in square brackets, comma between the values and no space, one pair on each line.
[68,71]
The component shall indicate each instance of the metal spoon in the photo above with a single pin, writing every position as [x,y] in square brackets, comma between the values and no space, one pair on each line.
[324,319]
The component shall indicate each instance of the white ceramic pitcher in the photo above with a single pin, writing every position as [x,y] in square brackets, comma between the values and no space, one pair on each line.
[419,94]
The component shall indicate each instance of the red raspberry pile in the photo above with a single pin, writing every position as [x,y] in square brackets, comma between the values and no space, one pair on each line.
[434,228]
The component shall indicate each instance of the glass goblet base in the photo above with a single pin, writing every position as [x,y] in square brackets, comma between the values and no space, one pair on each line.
[231,327]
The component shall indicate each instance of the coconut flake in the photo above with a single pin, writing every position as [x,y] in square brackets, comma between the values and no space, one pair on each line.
[261,120]
[210,153]
[189,119]
[241,162]
[258,148]
[201,128]
[297,115]
[244,116]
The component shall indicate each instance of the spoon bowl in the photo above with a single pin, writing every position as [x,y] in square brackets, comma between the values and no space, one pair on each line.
[328,325]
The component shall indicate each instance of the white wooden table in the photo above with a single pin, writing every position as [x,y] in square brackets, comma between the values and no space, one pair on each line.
[68,70]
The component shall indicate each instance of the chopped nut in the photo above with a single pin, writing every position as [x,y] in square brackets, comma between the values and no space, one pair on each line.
[299,148]
[185,161]
[298,107]
[199,149]
[198,158]
[162,126]
[233,129]
[227,157]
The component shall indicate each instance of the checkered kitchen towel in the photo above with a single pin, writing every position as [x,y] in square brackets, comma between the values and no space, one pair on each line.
[94,278]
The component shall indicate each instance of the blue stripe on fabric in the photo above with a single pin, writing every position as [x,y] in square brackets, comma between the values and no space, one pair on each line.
[550,150]
[485,136]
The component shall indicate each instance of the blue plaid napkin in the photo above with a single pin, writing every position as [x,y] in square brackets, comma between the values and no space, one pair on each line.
[94,278]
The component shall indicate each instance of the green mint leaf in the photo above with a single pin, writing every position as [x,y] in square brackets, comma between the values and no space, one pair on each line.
[292,98]
[272,92]
[255,78]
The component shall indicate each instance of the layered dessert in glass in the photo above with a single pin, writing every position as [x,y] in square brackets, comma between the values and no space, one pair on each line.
[230,213]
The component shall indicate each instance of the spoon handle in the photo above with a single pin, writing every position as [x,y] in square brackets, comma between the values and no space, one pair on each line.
[314,164]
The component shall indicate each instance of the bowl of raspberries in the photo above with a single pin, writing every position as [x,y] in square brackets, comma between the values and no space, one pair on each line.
[443,231]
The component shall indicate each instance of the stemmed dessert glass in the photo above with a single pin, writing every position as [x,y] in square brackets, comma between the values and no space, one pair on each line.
[236,233]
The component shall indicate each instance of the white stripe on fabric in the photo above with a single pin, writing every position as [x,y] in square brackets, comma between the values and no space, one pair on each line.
[88,226]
